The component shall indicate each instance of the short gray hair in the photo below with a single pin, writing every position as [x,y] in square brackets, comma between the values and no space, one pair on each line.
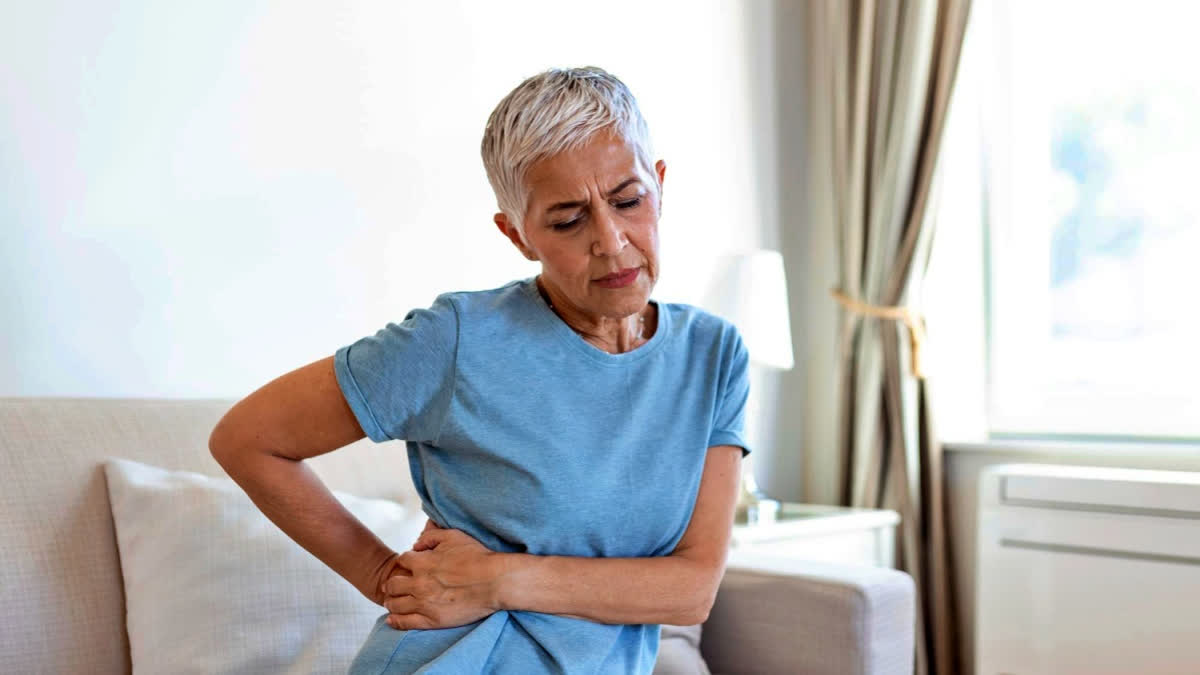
[552,112]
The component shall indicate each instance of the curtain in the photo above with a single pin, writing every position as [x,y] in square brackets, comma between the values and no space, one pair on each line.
[887,70]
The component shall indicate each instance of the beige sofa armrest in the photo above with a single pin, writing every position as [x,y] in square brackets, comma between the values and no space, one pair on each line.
[785,616]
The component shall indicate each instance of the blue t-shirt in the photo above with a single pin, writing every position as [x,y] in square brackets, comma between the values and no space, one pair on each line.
[530,439]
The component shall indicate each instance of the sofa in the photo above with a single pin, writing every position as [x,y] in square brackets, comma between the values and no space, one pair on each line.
[63,595]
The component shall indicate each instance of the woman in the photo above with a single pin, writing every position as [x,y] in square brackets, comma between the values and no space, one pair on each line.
[576,446]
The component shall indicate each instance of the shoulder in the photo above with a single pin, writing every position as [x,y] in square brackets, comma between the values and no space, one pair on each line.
[443,319]
[482,302]
[488,296]
[506,309]
[701,328]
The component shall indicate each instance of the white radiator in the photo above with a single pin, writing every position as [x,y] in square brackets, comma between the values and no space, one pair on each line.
[1087,570]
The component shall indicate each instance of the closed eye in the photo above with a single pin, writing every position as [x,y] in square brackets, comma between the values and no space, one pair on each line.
[563,227]
[567,225]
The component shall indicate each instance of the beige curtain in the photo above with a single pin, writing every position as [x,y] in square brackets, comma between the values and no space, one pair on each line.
[889,68]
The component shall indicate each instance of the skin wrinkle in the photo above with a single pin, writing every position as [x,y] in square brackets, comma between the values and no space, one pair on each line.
[609,233]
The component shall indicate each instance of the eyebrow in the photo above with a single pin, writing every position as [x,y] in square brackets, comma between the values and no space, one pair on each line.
[576,204]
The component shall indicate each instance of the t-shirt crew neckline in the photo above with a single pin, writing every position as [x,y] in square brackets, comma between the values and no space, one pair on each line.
[568,336]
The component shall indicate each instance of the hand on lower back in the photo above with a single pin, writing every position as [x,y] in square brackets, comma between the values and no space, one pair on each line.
[448,579]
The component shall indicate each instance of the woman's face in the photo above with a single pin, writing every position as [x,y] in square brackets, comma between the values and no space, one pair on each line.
[592,214]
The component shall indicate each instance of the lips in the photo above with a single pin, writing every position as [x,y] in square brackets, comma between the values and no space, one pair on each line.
[618,279]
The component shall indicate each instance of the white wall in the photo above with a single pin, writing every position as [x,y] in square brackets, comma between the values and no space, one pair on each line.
[203,196]
[801,418]
[198,197]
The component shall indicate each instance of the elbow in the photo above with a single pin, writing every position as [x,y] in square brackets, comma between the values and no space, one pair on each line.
[222,444]
[699,585]
[218,447]
[694,614]
[238,448]
[705,608]
[701,604]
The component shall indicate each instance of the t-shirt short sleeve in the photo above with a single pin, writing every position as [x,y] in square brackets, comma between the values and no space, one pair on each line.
[730,420]
[400,381]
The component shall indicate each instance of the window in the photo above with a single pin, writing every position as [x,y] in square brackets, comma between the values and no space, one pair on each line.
[1090,126]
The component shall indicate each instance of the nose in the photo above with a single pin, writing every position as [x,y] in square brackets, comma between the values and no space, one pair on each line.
[609,236]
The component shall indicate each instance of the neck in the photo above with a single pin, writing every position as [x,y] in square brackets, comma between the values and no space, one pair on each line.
[613,335]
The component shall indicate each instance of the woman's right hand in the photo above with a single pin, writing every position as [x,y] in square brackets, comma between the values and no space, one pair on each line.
[390,568]
[450,579]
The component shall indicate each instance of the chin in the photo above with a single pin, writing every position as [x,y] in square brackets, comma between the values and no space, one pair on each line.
[633,303]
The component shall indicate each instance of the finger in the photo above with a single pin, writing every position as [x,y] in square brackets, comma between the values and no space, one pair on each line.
[430,526]
[398,571]
[432,538]
[403,604]
[398,585]
[410,622]
[415,560]
[425,543]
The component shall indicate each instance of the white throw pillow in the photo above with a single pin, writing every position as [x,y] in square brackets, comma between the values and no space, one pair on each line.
[213,586]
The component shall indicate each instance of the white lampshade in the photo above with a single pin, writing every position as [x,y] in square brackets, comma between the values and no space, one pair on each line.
[750,290]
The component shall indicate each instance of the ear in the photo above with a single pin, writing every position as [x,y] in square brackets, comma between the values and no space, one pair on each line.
[510,231]
[660,168]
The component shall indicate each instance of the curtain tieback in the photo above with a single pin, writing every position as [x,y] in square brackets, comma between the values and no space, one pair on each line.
[911,319]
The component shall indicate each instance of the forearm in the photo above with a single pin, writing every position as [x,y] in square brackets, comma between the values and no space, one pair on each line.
[671,589]
[291,495]
[452,571]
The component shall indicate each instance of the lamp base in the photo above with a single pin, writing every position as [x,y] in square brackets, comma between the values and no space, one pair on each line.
[753,505]
[761,509]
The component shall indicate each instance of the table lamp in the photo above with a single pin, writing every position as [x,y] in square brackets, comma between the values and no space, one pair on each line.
[750,290]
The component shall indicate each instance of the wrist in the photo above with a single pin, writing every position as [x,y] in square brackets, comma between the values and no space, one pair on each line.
[505,578]
[377,568]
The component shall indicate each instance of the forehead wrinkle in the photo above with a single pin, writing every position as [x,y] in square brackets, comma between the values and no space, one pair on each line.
[574,190]
[629,181]
[620,187]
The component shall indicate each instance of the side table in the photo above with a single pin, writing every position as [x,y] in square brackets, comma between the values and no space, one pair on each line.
[819,532]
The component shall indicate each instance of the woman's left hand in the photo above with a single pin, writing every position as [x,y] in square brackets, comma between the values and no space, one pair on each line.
[451,581]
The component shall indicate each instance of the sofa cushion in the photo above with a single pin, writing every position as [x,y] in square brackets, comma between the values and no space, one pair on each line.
[213,586]
[679,652]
